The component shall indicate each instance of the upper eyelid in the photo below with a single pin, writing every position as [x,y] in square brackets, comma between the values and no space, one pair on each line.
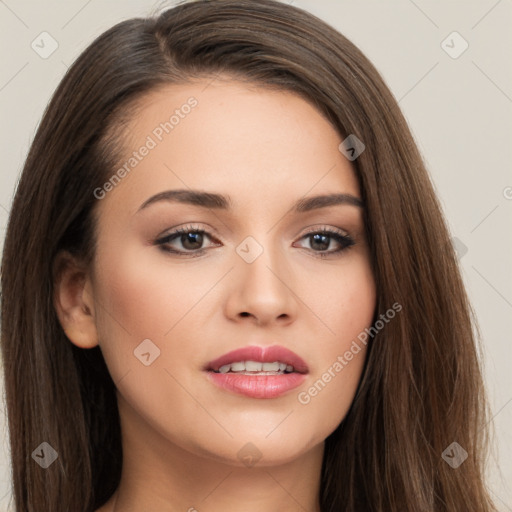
[213,232]
[175,231]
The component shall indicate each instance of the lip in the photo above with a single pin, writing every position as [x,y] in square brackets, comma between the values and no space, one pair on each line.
[261,354]
[258,386]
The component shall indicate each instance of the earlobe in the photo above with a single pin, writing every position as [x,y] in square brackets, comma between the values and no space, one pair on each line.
[73,300]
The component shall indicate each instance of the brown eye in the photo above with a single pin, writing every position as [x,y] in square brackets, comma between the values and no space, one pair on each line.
[321,240]
[190,240]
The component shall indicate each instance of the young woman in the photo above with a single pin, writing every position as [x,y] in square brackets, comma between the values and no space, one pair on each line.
[227,283]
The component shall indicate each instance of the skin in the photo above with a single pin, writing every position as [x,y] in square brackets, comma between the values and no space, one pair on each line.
[181,434]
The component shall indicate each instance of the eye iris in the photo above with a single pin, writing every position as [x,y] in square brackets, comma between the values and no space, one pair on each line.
[196,238]
[321,238]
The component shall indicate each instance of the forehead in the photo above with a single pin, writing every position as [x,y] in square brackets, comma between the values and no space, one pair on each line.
[249,142]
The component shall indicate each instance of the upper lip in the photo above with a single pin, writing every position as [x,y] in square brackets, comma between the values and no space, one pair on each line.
[261,354]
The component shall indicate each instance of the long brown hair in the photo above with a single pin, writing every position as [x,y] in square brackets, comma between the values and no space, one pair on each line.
[421,389]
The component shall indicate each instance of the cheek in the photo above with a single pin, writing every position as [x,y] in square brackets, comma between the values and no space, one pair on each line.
[344,303]
[340,352]
[145,296]
[140,298]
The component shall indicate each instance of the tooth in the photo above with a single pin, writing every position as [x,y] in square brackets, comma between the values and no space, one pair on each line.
[253,366]
[256,366]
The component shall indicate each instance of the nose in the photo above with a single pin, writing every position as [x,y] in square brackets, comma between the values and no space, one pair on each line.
[263,291]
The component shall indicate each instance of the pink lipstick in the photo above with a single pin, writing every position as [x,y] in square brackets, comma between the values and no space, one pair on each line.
[258,372]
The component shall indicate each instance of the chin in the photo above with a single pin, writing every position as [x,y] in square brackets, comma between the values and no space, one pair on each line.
[248,451]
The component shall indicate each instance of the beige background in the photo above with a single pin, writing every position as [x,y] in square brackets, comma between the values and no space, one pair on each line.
[459,110]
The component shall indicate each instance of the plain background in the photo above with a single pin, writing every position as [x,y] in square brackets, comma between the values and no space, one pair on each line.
[459,110]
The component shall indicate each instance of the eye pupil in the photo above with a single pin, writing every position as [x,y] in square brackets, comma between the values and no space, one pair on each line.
[321,239]
[193,238]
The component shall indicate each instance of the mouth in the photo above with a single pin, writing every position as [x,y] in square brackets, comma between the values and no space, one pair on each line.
[258,372]
[254,359]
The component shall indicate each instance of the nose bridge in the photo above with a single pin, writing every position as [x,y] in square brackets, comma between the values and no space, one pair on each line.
[263,277]
[259,258]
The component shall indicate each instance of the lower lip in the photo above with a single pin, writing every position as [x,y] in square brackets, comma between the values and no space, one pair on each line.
[257,386]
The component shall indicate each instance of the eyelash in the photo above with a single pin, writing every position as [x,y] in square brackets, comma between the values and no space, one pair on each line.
[344,240]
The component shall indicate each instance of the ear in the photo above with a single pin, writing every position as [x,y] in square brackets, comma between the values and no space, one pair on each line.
[73,300]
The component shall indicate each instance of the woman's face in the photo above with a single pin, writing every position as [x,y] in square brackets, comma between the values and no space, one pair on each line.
[261,275]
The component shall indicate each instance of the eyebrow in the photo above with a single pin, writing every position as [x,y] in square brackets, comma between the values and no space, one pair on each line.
[224,202]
